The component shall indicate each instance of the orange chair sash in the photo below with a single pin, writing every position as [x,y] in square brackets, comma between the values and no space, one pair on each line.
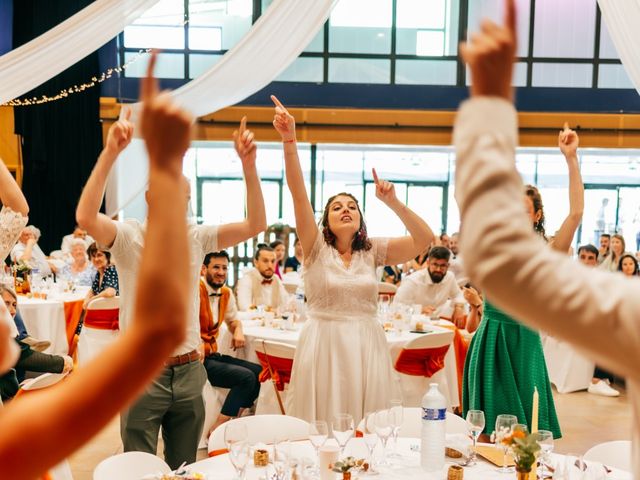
[460,348]
[421,362]
[102,319]
[281,368]
[215,453]
[72,313]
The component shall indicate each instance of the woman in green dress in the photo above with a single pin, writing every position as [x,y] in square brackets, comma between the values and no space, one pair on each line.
[505,361]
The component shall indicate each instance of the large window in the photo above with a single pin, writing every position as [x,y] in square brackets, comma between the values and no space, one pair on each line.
[561,44]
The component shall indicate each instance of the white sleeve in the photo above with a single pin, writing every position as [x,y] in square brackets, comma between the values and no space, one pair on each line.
[232,310]
[455,292]
[408,293]
[243,291]
[592,309]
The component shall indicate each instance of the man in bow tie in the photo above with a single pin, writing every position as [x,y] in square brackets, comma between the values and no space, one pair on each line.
[217,304]
[260,285]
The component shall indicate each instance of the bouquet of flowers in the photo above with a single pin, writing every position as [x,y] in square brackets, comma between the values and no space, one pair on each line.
[345,466]
[524,446]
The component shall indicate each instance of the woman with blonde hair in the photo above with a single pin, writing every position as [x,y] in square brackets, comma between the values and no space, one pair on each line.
[616,251]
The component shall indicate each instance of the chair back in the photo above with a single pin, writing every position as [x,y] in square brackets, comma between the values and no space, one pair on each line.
[412,423]
[262,429]
[424,356]
[616,454]
[276,359]
[130,466]
[102,314]
[385,288]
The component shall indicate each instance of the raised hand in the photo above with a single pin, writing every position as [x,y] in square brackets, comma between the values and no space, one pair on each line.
[283,121]
[120,133]
[490,55]
[244,144]
[568,141]
[385,191]
[165,127]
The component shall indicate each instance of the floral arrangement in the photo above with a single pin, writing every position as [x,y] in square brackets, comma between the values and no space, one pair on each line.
[22,267]
[344,466]
[524,446]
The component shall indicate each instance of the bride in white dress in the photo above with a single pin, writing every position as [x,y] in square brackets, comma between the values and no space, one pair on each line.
[342,362]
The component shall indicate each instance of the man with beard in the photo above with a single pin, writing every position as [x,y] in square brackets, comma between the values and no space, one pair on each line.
[217,304]
[433,286]
[260,285]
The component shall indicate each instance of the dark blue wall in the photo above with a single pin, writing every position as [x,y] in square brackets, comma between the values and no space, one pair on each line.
[6,25]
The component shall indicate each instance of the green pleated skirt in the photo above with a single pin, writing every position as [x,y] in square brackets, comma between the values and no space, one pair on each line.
[504,363]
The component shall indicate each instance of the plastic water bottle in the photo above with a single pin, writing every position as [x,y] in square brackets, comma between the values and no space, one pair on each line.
[434,414]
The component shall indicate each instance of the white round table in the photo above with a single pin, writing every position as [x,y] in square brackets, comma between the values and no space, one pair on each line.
[408,467]
[413,387]
[45,319]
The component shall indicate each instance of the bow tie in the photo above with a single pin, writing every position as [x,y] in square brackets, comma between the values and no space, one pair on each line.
[215,294]
[267,281]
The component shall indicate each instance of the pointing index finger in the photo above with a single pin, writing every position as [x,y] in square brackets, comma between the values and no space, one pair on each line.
[510,16]
[149,86]
[375,176]
[278,103]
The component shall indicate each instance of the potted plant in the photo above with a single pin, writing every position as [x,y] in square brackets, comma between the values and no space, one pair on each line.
[345,466]
[525,448]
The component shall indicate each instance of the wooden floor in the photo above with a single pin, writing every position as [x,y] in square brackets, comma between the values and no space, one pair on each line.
[585,420]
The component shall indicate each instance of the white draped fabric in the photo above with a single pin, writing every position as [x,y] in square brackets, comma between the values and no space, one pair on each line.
[622,19]
[35,62]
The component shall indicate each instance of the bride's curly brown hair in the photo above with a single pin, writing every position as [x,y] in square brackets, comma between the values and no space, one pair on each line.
[360,241]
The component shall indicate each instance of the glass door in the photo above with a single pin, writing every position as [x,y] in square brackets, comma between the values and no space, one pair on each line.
[629,216]
[600,214]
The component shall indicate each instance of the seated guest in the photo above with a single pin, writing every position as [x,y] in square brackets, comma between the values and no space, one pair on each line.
[28,250]
[476,307]
[30,359]
[78,234]
[628,265]
[602,380]
[445,241]
[392,274]
[433,286]
[217,304]
[259,286]
[105,281]
[617,250]
[605,243]
[294,263]
[278,248]
[417,263]
[80,271]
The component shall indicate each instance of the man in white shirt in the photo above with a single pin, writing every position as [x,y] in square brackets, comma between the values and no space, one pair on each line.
[174,400]
[28,250]
[78,233]
[433,286]
[225,371]
[260,285]
[594,310]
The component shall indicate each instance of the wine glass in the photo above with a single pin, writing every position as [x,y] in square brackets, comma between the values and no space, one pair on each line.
[383,305]
[545,439]
[370,439]
[396,418]
[504,427]
[384,428]
[475,424]
[318,434]
[343,429]
[239,456]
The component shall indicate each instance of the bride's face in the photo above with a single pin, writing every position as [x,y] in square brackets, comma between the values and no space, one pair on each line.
[344,215]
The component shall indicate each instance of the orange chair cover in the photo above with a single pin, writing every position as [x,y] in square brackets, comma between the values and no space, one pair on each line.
[421,362]
[460,348]
[215,453]
[281,369]
[72,313]
[102,319]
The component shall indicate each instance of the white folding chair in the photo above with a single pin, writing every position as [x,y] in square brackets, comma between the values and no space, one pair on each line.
[261,429]
[412,423]
[104,312]
[616,454]
[130,466]
[276,358]
[213,399]
[385,288]
[414,386]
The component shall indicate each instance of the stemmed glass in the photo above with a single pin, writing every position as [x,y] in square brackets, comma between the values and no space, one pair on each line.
[504,426]
[384,301]
[235,438]
[318,434]
[343,429]
[475,424]
[370,439]
[545,439]
[384,428]
[396,418]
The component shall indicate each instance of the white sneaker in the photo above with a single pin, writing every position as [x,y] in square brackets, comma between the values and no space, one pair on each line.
[603,388]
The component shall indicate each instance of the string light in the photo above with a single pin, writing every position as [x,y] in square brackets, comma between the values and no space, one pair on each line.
[64,93]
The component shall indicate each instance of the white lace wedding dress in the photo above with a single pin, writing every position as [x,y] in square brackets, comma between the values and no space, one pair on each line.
[342,362]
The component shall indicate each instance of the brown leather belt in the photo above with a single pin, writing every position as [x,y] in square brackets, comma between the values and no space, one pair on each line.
[189,357]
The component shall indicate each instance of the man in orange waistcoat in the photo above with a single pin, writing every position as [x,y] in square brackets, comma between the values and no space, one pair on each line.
[217,303]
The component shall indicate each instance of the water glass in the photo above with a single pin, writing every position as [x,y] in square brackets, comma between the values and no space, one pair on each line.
[384,429]
[545,439]
[239,457]
[370,439]
[343,429]
[475,424]
[318,434]
[396,417]
[504,427]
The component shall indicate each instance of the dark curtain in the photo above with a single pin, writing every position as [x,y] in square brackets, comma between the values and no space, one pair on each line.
[61,140]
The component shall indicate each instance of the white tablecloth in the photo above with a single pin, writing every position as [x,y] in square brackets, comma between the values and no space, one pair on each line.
[408,467]
[413,387]
[568,370]
[45,320]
